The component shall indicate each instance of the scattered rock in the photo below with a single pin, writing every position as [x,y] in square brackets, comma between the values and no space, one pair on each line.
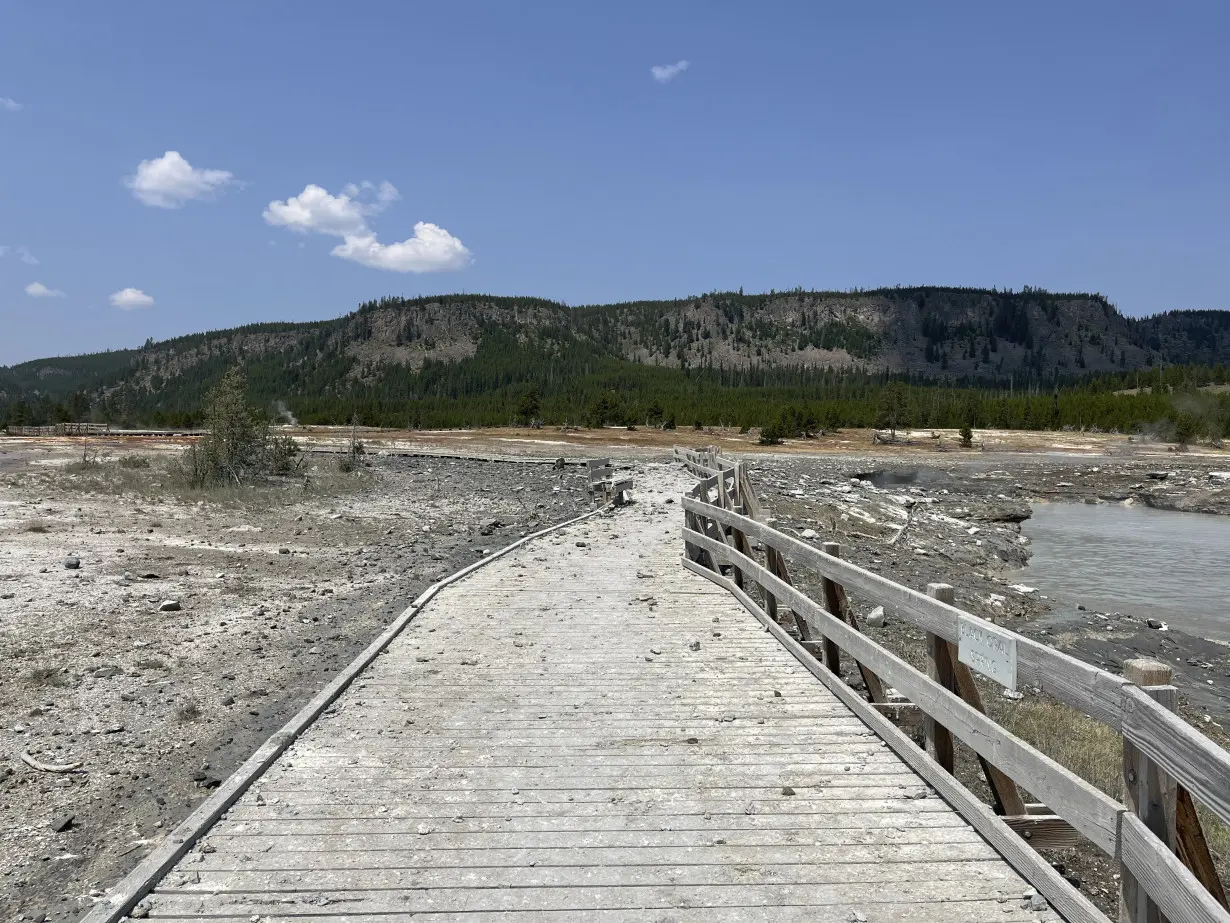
[694,645]
[62,822]
[787,790]
[283,551]
[809,534]
[72,563]
[170,605]
[876,618]
[1153,623]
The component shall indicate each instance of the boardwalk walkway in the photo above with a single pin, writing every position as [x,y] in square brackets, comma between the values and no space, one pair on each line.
[583,730]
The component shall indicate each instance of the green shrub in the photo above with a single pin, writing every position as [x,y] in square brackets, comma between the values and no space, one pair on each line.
[237,447]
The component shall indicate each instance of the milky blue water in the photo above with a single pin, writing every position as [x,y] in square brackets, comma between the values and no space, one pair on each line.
[1132,559]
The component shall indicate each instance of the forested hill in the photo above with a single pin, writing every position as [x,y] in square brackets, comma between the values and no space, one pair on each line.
[395,352]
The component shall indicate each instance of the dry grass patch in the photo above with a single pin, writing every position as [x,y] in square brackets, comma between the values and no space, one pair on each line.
[1089,748]
[1095,753]
[187,712]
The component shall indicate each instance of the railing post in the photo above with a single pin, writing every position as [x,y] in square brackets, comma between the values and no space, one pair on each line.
[835,602]
[940,669]
[1148,790]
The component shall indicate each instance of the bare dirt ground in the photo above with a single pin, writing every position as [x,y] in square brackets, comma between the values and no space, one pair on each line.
[271,593]
[648,441]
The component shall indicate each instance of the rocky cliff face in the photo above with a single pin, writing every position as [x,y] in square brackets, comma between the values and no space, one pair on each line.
[929,331]
[926,330]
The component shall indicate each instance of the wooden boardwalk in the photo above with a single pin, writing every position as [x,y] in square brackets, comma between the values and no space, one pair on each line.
[583,730]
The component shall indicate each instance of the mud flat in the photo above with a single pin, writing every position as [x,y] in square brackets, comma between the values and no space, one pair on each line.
[153,638]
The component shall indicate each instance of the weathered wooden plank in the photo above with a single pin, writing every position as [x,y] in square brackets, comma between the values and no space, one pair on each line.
[1086,688]
[1045,832]
[859,811]
[1148,792]
[444,838]
[990,873]
[415,856]
[998,910]
[585,899]
[1089,810]
[1193,759]
[460,831]
[1168,882]
[1008,801]
[940,671]
[1194,848]
[1075,907]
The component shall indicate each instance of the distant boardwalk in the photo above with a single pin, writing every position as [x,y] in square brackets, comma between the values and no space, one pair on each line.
[591,732]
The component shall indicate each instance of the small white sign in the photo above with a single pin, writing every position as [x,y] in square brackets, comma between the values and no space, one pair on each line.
[988,650]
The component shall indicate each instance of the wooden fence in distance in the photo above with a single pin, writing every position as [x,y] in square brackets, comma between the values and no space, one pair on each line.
[61,429]
[1156,837]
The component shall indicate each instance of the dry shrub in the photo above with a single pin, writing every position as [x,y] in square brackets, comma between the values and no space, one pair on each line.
[48,675]
[189,711]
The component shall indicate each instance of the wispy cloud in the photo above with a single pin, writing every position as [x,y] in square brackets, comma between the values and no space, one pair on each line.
[129,299]
[9,105]
[39,290]
[316,210]
[21,253]
[665,73]
[170,181]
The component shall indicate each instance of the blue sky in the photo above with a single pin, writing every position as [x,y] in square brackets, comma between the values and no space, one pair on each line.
[528,148]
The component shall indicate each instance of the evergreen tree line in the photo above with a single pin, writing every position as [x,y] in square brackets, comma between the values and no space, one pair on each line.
[557,380]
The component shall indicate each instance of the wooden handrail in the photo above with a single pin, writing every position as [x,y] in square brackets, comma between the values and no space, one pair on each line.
[1093,691]
[1088,809]
[717,534]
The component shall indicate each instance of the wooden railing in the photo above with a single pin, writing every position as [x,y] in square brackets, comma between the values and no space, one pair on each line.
[1166,869]
[605,483]
[60,429]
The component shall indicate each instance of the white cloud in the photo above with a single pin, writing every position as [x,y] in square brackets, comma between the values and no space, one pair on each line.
[315,209]
[128,299]
[665,73]
[21,253]
[431,249]
[39,290]
[386,193]
[9,105]
[169,181]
